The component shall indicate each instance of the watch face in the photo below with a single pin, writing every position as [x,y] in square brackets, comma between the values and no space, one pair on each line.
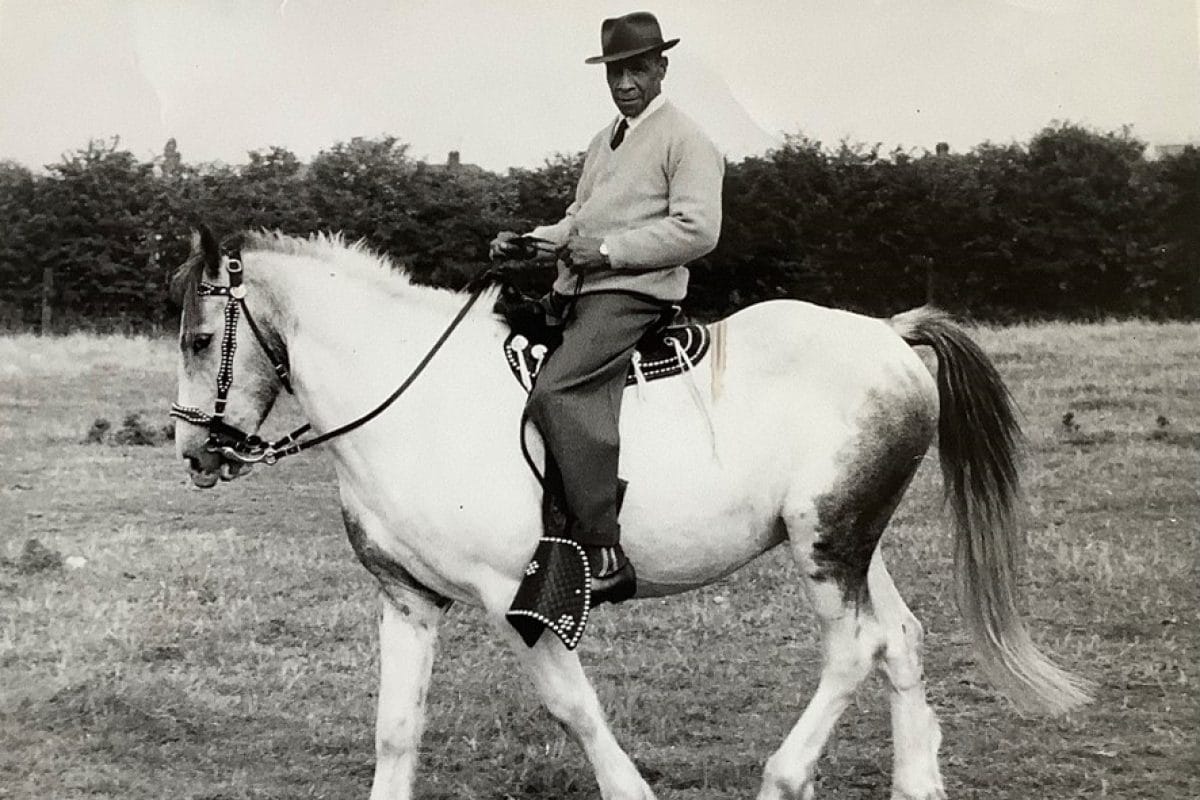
[604,248]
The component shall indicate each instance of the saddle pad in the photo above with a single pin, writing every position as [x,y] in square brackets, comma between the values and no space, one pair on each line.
[662,354]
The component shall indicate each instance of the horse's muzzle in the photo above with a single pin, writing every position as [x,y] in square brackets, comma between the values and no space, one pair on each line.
[206,471]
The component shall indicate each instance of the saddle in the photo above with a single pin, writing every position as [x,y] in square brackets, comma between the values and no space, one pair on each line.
[668,348]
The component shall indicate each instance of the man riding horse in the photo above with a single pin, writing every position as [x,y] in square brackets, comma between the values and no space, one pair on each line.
[820,433]
[648,202]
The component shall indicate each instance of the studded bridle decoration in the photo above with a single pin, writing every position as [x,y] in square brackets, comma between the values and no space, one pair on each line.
[237,445]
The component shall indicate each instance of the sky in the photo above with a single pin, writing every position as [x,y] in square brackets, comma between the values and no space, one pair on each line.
[504,82]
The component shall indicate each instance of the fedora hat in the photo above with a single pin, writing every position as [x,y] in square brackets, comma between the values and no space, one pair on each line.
[629,36]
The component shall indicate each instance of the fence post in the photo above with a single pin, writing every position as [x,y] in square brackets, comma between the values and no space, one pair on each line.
[47,293]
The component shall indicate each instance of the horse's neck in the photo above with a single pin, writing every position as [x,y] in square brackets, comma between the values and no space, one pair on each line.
[352,340]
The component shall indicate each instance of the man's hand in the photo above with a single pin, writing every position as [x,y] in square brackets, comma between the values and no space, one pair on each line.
[505,245]
[584,254]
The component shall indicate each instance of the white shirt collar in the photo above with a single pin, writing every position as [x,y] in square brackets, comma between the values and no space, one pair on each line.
[651,107]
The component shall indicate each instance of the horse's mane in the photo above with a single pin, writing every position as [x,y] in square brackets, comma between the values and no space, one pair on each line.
[322,247]
[355,257]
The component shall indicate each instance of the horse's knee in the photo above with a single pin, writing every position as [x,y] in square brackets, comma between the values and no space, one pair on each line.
[570,712]
[396,741]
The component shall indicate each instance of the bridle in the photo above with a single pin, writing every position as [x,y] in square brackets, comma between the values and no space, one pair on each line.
[247,448]
[229,440]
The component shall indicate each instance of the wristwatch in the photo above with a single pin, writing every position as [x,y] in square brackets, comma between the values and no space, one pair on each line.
[604,253]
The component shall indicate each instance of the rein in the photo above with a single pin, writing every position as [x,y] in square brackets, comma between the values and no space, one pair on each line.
[237,445]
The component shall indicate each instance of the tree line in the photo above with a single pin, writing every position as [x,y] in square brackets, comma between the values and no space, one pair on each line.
[1073,224]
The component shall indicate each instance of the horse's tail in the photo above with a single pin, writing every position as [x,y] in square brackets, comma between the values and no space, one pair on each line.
[978,438]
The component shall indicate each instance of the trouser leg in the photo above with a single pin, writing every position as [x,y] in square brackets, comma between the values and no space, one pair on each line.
[576,405]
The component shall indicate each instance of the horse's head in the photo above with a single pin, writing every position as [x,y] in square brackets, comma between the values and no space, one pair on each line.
[229,369]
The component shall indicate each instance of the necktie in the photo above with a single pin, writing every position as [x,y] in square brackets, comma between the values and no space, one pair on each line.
[619,134]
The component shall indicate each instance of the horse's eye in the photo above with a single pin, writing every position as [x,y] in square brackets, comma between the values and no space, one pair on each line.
[200,342]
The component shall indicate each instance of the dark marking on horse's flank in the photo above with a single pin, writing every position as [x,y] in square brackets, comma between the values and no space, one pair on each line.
[894,433]
[386,570]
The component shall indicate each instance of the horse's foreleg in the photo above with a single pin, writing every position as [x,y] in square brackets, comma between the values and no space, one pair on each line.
[569,697]
[407,632]
[915,730]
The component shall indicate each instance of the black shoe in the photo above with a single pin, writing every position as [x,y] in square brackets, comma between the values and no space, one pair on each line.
[613,577]
[615,588]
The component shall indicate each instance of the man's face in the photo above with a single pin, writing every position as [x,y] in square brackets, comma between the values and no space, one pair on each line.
[636,81]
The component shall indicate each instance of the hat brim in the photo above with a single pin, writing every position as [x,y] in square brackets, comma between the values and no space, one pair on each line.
[667,45]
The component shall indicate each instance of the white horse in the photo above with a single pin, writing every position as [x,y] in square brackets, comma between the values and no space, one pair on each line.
[806,431]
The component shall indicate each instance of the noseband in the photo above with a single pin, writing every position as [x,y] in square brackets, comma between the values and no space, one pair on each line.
[247,448]
[232,442]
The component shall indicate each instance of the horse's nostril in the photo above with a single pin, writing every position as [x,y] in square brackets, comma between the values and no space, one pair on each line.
[194,463]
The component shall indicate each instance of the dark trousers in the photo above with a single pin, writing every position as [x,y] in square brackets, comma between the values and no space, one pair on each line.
[576,405]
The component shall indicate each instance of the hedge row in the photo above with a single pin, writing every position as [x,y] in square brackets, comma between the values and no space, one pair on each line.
[1074,224]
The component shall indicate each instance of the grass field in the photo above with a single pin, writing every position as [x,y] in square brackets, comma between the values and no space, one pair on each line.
[221,644]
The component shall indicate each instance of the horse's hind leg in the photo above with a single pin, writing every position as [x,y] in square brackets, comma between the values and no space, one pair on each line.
[852,641]
[915,730]
[834,533]
[569,697]
[868,627]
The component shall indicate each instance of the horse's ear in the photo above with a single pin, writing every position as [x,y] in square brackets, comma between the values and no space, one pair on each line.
[194,251]
[204,244]
[187,277]
[233,243]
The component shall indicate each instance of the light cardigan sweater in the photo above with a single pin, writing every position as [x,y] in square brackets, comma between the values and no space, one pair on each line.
[655,201]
